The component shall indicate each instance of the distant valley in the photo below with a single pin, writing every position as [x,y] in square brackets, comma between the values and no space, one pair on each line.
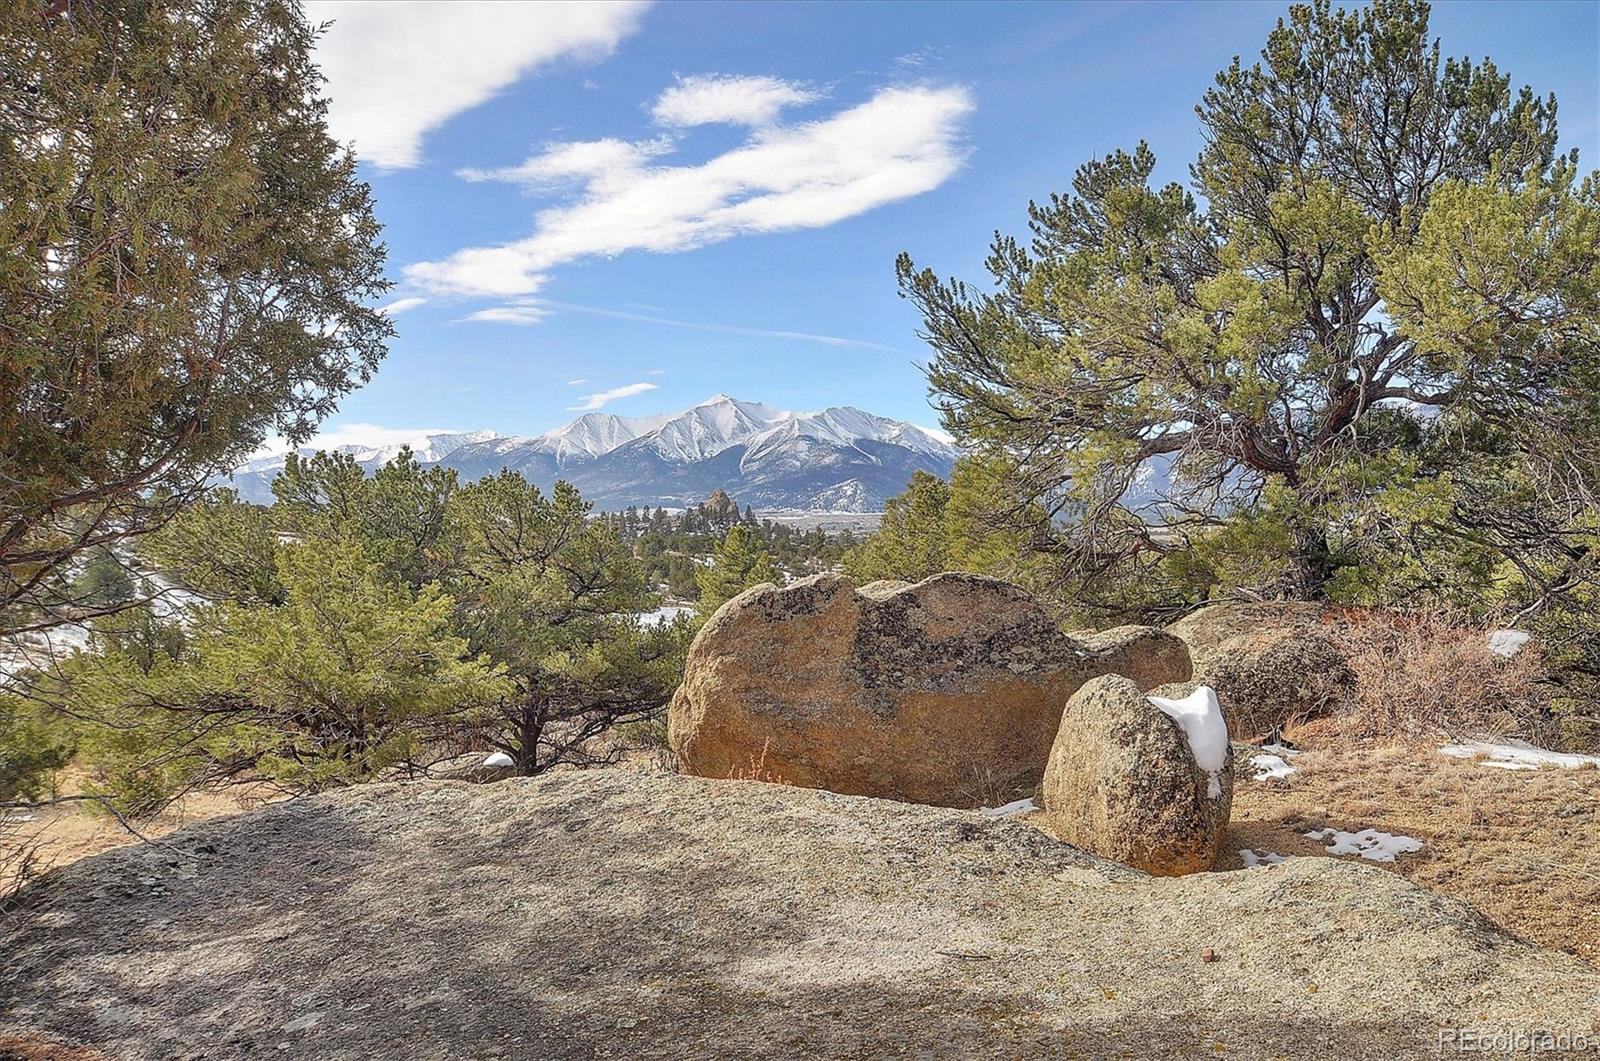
[838,460]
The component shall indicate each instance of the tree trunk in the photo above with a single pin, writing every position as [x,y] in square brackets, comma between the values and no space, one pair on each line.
[1311,565]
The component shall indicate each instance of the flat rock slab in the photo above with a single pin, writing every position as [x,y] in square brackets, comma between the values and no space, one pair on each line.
[614,913]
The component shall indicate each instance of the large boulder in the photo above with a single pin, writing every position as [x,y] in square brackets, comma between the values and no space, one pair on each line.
[1273,665]
[1147,787]
[948,691]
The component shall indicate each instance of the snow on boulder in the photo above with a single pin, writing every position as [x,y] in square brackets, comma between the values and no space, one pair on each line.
[499,759]
[1201,719]
[1146,781]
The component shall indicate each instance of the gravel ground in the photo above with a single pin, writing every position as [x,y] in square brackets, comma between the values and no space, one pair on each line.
[615,913]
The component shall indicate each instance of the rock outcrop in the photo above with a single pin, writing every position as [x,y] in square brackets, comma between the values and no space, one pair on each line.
[1124,781]
[620,914]
[949,691]
[1272,665]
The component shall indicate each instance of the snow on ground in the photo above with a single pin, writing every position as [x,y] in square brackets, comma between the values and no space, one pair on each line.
[1271,767]
[1253,858]
[1368,843]
[1518,755]
[499,759]
[1508,642]
[1201,719]
[664,614]
[1010,810]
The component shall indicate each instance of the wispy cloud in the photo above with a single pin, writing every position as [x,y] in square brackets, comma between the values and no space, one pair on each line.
[399,70]
[603,398]
[576,382]
[714,99]
[512,313]
[535,311]
[400,305]
[900,143]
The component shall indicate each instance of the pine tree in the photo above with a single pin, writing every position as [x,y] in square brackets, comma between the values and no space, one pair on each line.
[1381,275]
[739,563]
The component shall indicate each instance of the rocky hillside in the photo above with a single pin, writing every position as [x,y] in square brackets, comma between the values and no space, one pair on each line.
[624,914]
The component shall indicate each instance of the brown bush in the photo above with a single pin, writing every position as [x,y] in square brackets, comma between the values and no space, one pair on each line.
[1429,675]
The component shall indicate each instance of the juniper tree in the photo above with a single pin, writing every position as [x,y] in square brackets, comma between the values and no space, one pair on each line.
[187,263]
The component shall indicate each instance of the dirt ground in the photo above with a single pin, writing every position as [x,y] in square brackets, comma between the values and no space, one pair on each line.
[1523,847]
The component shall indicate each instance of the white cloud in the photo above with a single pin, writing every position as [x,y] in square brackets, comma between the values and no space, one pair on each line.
[400,305]
[561,164]
[576,382]
[900,143]
[734,100]
[398,70]
[596,401]
[535,310]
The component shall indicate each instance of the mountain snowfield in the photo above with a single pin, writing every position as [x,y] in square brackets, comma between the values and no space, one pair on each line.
[839,460]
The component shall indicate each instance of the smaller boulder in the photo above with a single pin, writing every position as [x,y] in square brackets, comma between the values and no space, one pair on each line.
[1144,780]
[1274,665]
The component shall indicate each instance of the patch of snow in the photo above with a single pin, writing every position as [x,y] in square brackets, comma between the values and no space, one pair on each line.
[664,614]
[1368,843]
[1508,642]
[1518,755]
[1281,750]
[1201,718]
[1271,767]
[499,759]
[1252,858]
[1010,810]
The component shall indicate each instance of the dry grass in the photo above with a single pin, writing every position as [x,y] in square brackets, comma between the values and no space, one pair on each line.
[20,856]
[66,832]
[1523,847]
[1429,675]
[758,769]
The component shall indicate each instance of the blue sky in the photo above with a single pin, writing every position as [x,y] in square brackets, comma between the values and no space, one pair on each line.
[675,200]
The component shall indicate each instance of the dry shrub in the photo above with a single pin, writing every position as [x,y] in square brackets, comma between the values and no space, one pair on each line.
[758,769]
[21,858]
[1430,675]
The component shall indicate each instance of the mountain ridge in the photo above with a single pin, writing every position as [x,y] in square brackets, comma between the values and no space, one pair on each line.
[839,459]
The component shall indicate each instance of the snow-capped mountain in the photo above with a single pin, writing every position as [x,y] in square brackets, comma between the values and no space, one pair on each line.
[839,459]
